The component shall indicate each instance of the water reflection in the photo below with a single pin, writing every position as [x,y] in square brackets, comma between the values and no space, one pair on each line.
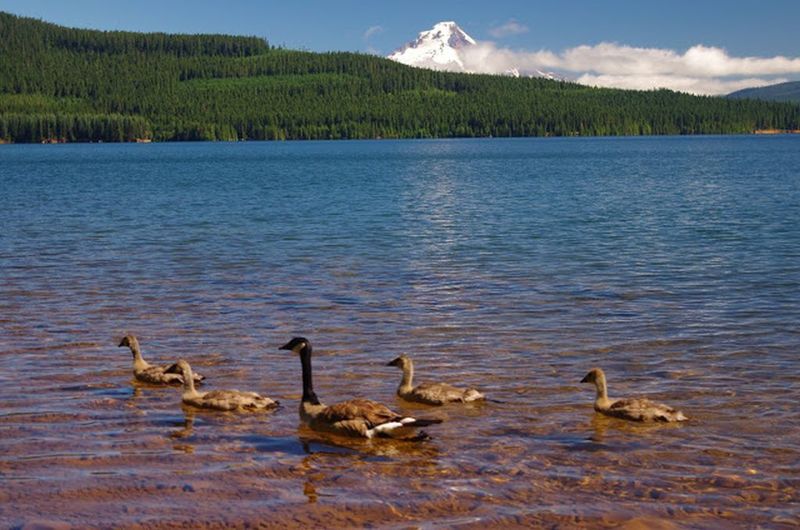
[316,443]
[603,425]
[310,492]
[188,424]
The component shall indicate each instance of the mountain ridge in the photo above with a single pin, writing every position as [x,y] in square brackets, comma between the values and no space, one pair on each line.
[781,92]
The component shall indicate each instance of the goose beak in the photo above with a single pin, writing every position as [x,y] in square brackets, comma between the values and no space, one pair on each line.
[587,378]
[395,362]
[297,345]
[123,342]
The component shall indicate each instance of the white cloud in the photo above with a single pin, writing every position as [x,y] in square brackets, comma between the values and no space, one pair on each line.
[698,61]
[512,27]
[693,85]
[372,30]
[699,70]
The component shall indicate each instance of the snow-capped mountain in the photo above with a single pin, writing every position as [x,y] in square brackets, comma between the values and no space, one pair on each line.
[444,47]
[438,48]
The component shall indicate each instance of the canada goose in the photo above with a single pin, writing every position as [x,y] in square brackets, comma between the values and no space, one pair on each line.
[357,417]
[159,375]
[220,399]
[430,393]
[636,409]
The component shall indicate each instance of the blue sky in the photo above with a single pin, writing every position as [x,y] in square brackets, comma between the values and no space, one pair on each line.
[740,28]
[762,28]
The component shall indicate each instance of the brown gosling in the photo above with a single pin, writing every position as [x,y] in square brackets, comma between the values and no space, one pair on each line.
[635,409]
[229,400]
[430,393]
[167,374]
[357,417]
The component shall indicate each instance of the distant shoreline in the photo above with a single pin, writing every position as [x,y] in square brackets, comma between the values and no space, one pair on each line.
[777,131]
[54,141]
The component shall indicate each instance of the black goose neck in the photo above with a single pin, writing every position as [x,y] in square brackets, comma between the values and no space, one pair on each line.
[308,383]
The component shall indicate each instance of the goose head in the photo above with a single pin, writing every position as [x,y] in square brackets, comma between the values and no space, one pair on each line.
[401,362]
[594,375]
[184,367]
[297,345]
[129,341]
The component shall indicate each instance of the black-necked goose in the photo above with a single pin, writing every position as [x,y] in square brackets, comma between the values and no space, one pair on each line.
[357,417]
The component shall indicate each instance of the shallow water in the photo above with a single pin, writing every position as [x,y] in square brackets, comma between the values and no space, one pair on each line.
[511,265]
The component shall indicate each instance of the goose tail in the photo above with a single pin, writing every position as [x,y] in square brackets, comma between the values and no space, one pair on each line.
[472,394]
[403,428]
[422,422]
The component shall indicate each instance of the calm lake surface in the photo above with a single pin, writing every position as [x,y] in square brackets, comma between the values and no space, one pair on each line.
[511,265]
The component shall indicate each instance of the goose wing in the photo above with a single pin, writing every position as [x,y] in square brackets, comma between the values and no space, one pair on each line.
[366,418]
[157,375]
[235,399]
[642,409]
[370,412]
[438,393]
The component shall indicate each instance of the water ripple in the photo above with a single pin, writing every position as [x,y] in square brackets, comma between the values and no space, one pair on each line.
[511,265]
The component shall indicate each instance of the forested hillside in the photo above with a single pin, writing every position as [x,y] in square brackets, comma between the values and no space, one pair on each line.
[62,84]
[780,92]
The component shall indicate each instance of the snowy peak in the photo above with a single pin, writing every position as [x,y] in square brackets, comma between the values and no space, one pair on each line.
[448,32]
[447,47]
[436,48]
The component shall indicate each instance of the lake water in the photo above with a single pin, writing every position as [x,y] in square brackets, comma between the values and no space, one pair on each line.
[511,265]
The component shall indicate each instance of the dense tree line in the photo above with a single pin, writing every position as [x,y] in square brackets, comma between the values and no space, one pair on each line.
[73,127]
[83,85]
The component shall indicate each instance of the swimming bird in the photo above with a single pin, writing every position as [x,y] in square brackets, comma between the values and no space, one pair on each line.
[221,399]
[636,409]
[430,393]
[159,375]
[357,417]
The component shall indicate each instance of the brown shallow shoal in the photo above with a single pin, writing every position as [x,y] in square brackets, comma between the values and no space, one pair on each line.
[100,451]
